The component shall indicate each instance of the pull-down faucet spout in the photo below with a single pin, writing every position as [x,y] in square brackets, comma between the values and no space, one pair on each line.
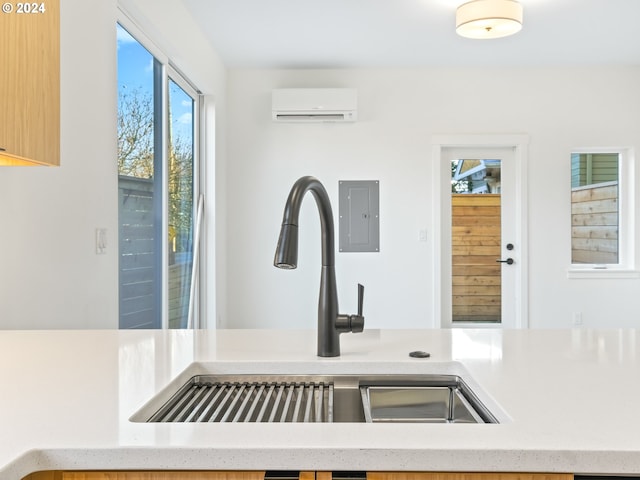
[330,322]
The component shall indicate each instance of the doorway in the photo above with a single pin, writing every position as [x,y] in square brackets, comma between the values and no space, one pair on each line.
[480,274]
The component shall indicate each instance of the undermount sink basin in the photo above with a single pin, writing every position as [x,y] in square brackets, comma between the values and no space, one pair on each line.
[413,404]
[323,398]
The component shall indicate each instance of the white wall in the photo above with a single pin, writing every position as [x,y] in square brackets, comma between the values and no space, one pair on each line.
[50,276]
[560,108]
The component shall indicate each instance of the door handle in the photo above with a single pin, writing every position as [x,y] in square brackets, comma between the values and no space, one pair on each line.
[508,261]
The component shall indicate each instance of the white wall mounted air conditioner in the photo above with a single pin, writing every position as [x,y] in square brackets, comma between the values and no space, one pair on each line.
[314,105]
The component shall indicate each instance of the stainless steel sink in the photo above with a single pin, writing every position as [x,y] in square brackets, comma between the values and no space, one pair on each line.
[417,404]
[324,398]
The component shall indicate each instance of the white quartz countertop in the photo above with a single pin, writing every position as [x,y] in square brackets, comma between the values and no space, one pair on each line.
[568,401]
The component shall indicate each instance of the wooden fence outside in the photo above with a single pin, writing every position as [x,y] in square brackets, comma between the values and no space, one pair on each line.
[139,262]
[179,291]
[475,244]
[594,224]
[138,269]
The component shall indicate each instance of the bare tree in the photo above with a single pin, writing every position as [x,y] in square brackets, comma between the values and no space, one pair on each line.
[181,190]
[135,134]
[136,159]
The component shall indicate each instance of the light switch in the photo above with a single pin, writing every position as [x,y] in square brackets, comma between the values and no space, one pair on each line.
[101,241]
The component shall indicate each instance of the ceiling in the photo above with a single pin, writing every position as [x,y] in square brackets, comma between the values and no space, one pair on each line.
[413,33]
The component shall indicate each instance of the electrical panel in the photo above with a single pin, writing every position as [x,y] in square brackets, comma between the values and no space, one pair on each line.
[359,216]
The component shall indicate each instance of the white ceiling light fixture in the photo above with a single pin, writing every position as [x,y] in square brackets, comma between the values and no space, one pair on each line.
[488,18]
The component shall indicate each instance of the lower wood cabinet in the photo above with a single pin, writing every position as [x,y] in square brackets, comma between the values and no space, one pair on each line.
[260,475]
[466,476]
[146,475]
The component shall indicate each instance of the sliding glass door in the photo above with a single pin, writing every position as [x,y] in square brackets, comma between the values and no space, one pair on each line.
[157,182]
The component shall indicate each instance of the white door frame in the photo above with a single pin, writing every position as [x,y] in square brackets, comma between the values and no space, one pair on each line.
[441,227]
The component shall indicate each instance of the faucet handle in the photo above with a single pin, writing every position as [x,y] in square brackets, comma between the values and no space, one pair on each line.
[360,298]
[356,322]
[352,323]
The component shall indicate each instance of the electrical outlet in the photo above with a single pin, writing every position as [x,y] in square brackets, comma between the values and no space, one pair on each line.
[576,318]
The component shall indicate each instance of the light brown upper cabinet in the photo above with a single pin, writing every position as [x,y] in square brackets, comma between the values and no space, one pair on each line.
[30,83]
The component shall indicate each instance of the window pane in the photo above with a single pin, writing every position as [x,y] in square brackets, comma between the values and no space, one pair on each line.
[139,202]
[135,108]
[595,208]
[476,236]
[181,107]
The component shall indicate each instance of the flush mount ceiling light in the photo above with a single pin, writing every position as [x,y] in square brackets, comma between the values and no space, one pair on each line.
[488,18]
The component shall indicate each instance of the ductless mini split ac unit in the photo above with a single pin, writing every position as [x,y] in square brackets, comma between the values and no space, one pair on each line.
[315,105]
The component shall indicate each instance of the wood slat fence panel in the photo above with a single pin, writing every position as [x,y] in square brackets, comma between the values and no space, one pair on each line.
[476,240]
[594,220]
[138,276]
[179,290]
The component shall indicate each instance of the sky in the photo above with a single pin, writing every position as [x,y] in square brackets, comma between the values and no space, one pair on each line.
[135,71]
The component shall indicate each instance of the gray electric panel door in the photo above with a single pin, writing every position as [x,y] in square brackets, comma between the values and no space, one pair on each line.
[359,212]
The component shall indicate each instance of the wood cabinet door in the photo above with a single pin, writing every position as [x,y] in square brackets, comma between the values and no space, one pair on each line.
[163,475]
[466,476]
[30,81]
[310,475]
[44,476]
